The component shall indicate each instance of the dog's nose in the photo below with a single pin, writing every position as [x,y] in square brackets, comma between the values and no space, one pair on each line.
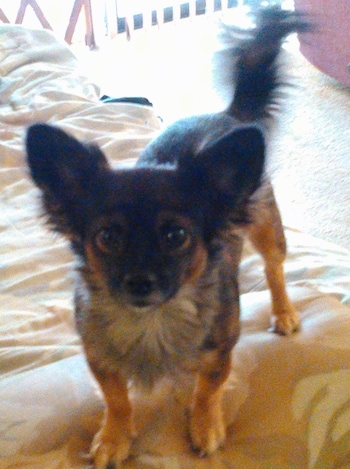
[140,285]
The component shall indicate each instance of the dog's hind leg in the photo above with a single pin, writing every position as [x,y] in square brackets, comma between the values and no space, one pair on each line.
[267,236]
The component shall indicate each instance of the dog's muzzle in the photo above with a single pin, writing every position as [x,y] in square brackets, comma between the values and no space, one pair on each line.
[142,290]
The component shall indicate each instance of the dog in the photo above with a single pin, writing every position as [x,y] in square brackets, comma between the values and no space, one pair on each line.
[158,245]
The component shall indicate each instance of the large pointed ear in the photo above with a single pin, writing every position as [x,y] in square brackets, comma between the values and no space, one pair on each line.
[227,171]
[67,172]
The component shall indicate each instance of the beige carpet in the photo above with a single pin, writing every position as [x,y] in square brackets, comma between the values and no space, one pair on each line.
[309,155]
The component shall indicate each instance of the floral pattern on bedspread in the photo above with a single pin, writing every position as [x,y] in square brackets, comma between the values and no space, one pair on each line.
[287,403]
[325,400]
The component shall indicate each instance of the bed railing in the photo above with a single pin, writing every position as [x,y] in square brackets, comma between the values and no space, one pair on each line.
[143,14]
[112,16]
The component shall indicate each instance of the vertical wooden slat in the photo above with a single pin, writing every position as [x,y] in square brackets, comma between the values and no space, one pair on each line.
[177,11]
[89,25]
[224,5]
[147,19]
[159,4]
[3,17]
[111,14]
[129,26]
[160,16]
[192,6]
[209,7]
[78,6]
[37,10]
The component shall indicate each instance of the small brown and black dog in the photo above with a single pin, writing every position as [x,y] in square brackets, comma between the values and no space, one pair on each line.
[158,245]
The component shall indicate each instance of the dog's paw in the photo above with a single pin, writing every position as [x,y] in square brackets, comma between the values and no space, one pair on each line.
[286,322]
[208,431]
[108,450]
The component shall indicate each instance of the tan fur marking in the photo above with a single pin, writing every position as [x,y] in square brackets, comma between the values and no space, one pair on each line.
[94,264]
[198,264]
[268,238]
[112,442]
[207,425]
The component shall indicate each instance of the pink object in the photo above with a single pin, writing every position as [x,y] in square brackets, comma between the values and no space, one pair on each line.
[329,47]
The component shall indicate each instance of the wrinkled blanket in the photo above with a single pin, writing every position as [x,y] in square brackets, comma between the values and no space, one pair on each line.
[287,403]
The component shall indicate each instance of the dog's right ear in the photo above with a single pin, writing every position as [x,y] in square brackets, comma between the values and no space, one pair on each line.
[226,172]
[67,172]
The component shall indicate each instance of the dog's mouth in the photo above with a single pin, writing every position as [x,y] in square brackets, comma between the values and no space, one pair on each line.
[145,303]
[141,306]
[155,300]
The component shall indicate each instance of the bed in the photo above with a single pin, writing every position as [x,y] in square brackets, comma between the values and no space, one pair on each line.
[287,403]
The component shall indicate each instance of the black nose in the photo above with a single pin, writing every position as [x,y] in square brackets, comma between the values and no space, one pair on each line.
[140,285]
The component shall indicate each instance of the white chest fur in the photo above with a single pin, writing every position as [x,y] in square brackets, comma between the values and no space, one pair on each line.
[146,343]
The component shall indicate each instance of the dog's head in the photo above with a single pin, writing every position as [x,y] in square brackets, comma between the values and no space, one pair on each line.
[145,232]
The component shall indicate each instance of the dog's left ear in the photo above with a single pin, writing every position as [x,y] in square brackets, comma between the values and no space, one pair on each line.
[227,171]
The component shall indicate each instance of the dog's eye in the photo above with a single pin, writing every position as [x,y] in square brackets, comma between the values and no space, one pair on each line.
[110,238]
[173,236]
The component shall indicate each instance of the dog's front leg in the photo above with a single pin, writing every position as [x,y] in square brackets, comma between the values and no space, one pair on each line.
[207,425]
[111,444]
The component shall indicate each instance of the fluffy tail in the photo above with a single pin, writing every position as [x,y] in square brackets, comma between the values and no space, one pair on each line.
[256,76]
